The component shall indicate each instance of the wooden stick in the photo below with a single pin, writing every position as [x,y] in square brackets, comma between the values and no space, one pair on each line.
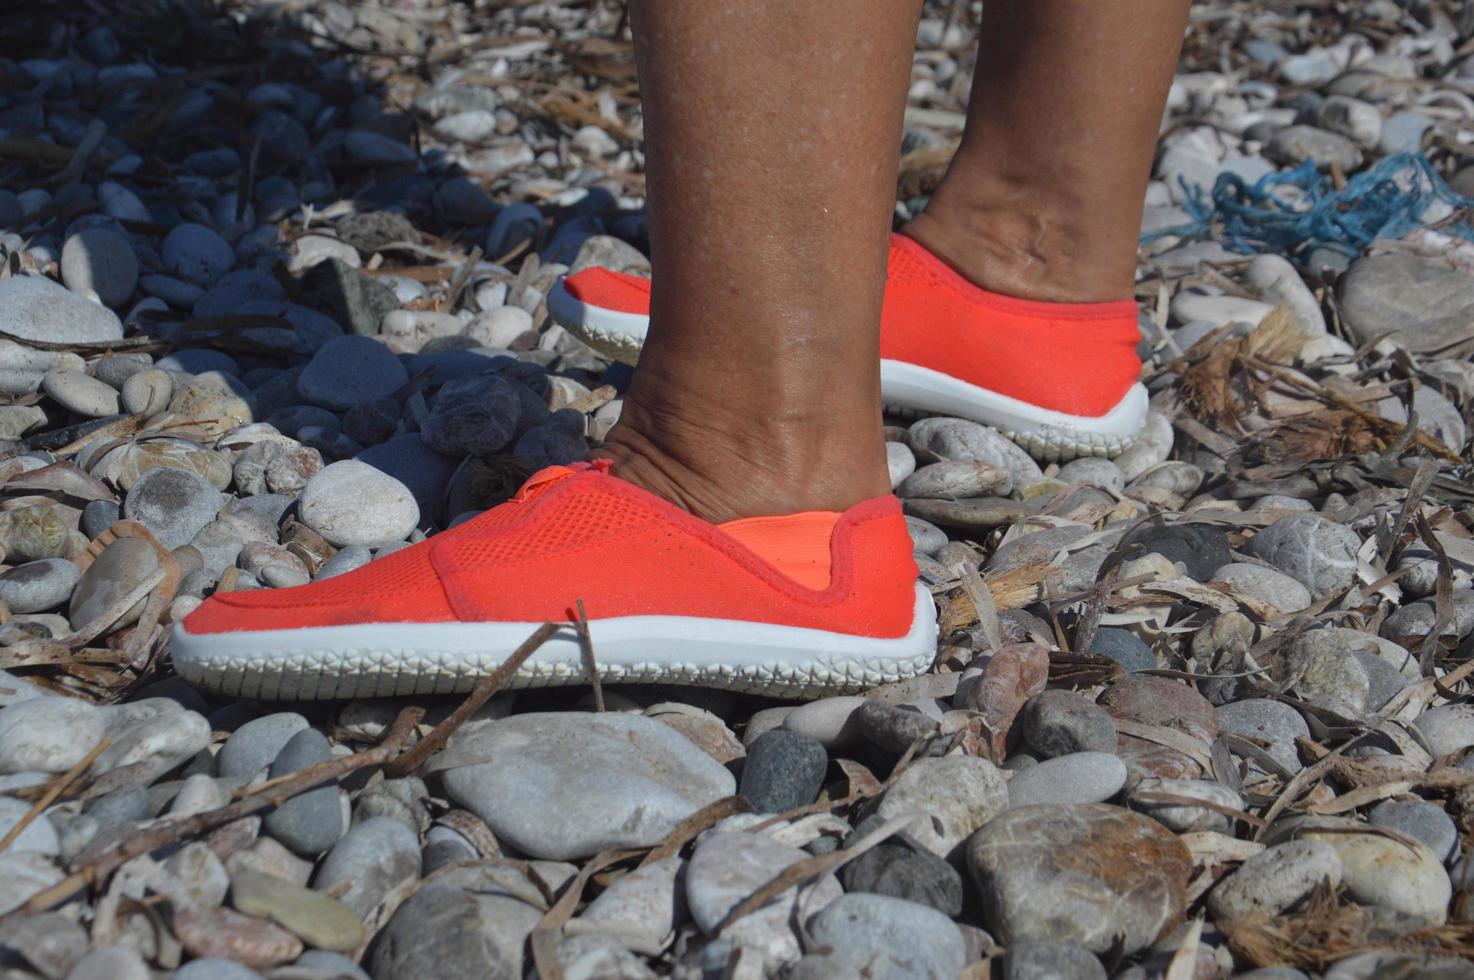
[415,757]
[586,647]
[52,792]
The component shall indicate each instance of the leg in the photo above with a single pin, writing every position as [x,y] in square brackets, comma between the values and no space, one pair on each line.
[771,134]
[1043,199]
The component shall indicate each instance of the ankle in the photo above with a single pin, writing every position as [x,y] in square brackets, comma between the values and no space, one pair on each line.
[726,465]
[1026,249]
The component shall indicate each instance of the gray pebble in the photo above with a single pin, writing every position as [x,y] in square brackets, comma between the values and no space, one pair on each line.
[1059,722]
[1124,647]
[1269,721]
[100,261]
[36,308]
[254,745]
[1318,553]
[347,371]
[1080,777]
[1420,820]
[312,822]
[374,857]
[77,392]
[901,872]
[882,936]
[352,503]
[147,393]
[197,253]
[174,504]
[783,770]
[1051,961]
[38,585]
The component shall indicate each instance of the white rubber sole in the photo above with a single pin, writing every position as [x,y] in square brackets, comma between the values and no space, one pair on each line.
[391,659]
[908,390]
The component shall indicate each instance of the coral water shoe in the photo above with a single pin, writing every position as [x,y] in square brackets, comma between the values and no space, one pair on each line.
[796,606]
[1060,379]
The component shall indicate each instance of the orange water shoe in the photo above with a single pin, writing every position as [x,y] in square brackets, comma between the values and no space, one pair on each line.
[795,606]
[1060,379]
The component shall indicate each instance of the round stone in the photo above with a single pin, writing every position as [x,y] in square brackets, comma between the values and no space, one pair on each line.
[1080,777]
[122,567]
[1273,722]
[1200,548]
[1420,820]
[352,503]
[421,469]
[48,734]
[1448,728]
[313,821]
[197,253]
[1318,553]
[901,872]
[1051,961]
[828,721]
[254,745]
[1275,880]
[36,308]
[1092,875]
[77,392]
[951,797]
[954,479]
[926,537]
[727,867]
[1426,302]
[38,585]
[147,393]
[567,785]
[39,836]
[881,936]
[1265,584]
[899,462]
[100,261]
[450,931]
[959,439]
[1162,701]
[375,857]
[1060,722]
[173,504]
[1092,471]
[347,371]
[1380,871]
[783,770]
[473,416]
[1124,647]
[1185,817]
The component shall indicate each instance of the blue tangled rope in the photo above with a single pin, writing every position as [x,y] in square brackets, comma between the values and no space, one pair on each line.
[1294,211]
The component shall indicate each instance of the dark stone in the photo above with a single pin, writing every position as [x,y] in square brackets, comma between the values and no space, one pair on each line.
[473,416]
[1202,548]
[1125,648]
[891,727]
[1051,961]
[311,823]
[1061,722]
[900,872]
[783,770]
[121,807]
[372,231]
[98,516]
[356,300]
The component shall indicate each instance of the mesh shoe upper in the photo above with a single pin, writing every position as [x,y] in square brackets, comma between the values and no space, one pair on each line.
[578,533]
